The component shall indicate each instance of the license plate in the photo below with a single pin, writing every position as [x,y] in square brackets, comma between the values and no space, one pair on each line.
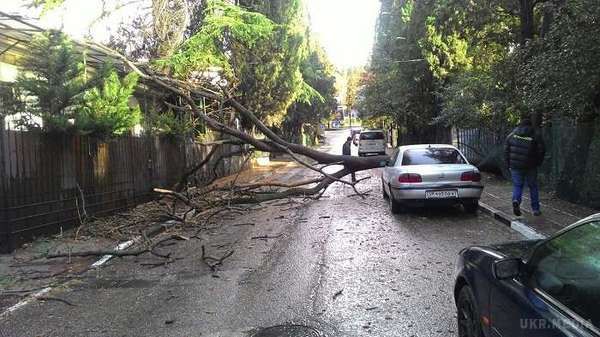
[444,194]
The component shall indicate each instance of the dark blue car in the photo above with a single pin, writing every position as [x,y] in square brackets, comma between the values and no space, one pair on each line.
[539,288]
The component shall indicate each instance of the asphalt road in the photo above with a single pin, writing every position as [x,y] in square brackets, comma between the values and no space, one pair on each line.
[343,265]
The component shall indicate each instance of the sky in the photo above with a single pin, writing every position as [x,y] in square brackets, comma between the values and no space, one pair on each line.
[346,28]
[75,17]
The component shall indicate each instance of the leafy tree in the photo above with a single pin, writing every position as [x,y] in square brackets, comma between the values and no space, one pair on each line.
[318,74]
[63,94]
[170,124]
[108,111]
[258,47]
[10,99]
[477,49]
[354,79]
[271,76]
[54,76]
[562,74]
[279,11]
[400,83]
[259,57]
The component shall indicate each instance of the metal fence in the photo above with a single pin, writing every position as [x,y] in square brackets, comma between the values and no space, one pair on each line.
[427,135]
[48,180]
[570,166]
[482,147]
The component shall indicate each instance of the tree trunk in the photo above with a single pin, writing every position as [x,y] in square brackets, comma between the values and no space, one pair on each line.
[170,20]
[527,20]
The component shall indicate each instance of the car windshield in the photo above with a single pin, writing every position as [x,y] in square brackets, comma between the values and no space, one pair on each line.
[568,268]
[371,135]
[432,156]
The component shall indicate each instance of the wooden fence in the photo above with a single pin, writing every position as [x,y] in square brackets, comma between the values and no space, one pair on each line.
[46,180]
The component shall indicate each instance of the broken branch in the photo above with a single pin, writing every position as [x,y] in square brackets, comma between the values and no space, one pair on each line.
[213,262]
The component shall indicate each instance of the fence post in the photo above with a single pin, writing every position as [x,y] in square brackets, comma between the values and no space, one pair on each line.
[7,240]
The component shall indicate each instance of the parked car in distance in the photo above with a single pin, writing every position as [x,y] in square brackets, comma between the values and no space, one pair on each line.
[535,288]
[371,142]
[430,174]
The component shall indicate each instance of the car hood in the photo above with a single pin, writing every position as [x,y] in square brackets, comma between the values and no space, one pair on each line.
[518,249]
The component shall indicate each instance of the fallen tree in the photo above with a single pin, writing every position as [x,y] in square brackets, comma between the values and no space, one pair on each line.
[213,199]
[314,160]
[227,36]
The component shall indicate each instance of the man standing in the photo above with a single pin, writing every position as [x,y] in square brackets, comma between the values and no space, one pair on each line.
[524,153]
[347,151]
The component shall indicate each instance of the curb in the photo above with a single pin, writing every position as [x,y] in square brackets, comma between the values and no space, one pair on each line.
[151,232]
[508,221]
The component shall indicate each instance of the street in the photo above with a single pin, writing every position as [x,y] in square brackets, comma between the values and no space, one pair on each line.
[341,265]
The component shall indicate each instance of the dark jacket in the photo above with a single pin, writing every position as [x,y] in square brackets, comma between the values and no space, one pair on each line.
[346,149]
[524,149]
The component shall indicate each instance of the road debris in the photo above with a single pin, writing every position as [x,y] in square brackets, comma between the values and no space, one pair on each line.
[48,298]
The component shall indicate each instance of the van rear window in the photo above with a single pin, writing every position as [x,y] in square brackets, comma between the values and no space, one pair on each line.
[371,135]
[432,156]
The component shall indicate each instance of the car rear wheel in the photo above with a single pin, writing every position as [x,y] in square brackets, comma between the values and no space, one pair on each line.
[467,315]
[471,206]
[395,206]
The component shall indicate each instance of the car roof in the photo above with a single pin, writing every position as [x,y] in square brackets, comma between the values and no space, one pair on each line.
[426,146]
[372,130]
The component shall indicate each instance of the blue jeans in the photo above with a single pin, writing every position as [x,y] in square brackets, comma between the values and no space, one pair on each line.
[519,177]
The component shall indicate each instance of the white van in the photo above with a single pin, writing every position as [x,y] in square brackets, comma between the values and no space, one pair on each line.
[371,142]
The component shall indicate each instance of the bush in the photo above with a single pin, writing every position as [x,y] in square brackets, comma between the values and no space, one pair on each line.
[108,111]
[171,125]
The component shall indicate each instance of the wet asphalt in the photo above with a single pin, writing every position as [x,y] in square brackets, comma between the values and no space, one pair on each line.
[342,265]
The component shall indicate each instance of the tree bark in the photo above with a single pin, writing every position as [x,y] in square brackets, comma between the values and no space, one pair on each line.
[526,15]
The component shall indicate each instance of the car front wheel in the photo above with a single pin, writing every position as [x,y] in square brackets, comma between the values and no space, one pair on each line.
[467,314]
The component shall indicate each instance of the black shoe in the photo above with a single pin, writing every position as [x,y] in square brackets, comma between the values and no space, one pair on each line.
[537,213]
[516,208]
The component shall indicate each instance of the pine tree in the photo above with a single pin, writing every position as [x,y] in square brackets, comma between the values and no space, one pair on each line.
[53,76]
[107,111]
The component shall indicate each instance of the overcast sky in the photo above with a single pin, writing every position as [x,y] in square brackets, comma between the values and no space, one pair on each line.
[344,27]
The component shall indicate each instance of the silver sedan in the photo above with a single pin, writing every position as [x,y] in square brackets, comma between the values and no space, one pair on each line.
[419,175]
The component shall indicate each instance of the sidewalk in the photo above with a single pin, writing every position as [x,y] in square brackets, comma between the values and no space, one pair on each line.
[556,213]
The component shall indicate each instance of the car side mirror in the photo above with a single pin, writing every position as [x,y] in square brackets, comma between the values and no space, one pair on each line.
[506,269]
